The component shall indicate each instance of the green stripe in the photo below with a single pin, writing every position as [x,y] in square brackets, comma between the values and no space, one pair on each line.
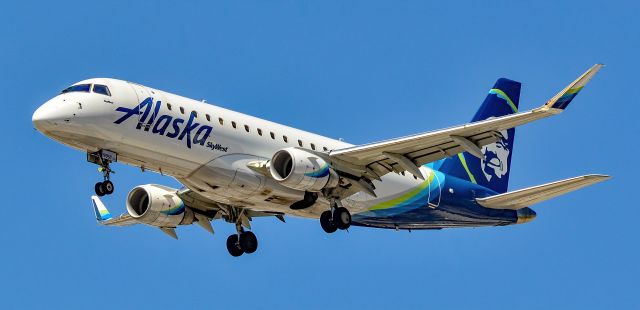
[464,164]
[504,96]
[405,197]
[574,90]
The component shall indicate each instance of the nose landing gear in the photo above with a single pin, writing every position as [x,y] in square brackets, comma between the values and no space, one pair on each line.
[104,188]
[103,158]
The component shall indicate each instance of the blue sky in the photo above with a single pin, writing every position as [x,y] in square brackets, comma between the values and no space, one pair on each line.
[358,70]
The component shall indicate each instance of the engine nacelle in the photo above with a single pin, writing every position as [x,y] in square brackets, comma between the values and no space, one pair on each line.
[158,205]
[302,170]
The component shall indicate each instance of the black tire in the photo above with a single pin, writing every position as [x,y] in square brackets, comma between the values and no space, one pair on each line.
[342,218]
[99,189]
[248,242]
[233,246]
[107,187]
[326,221]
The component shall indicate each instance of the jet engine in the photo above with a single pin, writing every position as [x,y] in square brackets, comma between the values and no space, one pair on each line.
[158,205]
[302,170]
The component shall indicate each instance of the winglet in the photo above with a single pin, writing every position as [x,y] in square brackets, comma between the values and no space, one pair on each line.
[102,214]
[561,100]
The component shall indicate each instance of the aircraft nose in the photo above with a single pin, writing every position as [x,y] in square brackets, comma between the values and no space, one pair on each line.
[47,115]
[41,117]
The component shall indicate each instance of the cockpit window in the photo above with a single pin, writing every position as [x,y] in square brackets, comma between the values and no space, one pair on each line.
[101,89]
[77,88]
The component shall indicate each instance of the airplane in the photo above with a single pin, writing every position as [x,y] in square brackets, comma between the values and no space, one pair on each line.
[235,167]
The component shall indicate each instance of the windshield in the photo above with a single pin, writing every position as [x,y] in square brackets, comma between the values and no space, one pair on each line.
[101,89]
[77,88]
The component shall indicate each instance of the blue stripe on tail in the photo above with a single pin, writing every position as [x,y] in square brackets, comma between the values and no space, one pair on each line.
[493,170]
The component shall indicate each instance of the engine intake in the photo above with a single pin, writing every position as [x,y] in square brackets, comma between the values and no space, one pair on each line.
[158,205]
[302,170]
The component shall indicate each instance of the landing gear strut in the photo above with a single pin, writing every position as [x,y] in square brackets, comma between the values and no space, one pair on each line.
[242,242]
[336,218]
[103,158]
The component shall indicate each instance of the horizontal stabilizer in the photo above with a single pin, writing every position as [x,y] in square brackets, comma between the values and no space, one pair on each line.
[526,197]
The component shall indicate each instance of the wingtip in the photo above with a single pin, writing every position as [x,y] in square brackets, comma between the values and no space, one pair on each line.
[561,100]
[598,176]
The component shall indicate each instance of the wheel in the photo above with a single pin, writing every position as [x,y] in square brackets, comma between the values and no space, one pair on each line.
[107,187]
[233,247]
[99,189]
[342,218]
[326,221]
[248,242]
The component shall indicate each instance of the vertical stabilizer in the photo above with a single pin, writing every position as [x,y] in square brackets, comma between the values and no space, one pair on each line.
[492,171]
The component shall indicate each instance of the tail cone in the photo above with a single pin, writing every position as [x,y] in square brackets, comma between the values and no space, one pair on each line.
[525,215]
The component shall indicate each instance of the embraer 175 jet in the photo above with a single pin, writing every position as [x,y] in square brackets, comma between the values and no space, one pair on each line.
[237,167]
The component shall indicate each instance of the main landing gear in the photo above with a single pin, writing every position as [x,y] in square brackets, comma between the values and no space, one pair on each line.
[336,218]
[242,242]
[103,158]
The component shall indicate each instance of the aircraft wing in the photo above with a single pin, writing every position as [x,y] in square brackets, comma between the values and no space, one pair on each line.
[103,216]
[411,152]
[122,220]
[526,197]
[215,209]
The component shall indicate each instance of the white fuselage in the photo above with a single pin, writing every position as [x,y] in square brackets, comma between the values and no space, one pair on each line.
[212,162]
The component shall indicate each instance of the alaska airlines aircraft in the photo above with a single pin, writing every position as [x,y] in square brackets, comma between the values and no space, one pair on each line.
[237,167]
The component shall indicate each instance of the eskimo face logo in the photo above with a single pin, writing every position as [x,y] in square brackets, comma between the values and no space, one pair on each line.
[494,162]
[148,119]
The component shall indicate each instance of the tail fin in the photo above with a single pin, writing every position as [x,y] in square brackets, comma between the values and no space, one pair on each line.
[493,170]
[102,214]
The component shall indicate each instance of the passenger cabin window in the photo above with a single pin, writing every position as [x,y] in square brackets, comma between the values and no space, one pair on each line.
[208,117]
[300,143]
[221,120]
[77,88]
[233,124]
[195,114]
[313,146]
[101,89]
[324,148]
[259,132]
[169,106]
[273,136]
[182,110]
[246,128]
[285,139]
